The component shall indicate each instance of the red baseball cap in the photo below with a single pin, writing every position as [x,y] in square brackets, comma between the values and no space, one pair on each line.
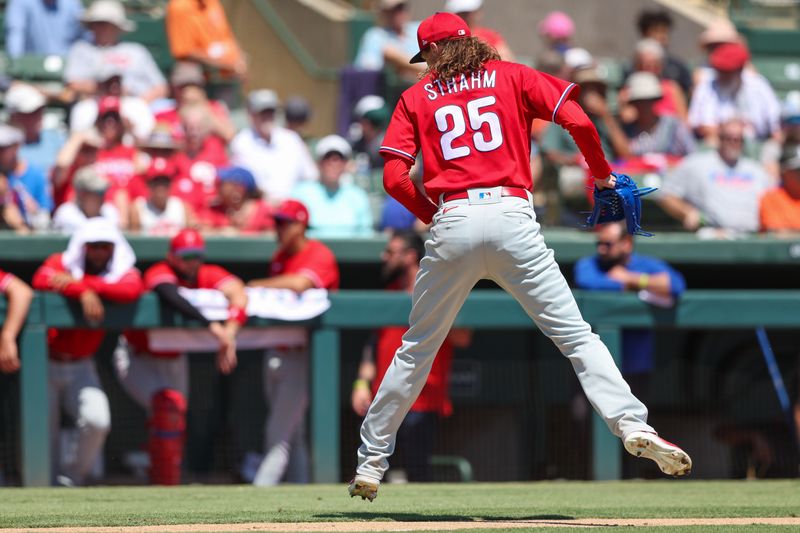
[161,167]
[187,242]
[729,57]
[293,211]
[439,27]
[108,104]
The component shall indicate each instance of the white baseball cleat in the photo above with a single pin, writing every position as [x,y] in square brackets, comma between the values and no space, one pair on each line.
[364,486]
[669,457]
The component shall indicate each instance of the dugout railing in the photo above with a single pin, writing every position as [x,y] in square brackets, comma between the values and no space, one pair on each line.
[609,313]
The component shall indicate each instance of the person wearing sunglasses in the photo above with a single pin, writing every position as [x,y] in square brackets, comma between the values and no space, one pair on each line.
[617,268]
[96,269]
[159,381]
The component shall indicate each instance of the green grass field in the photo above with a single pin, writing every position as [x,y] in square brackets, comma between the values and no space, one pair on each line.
[113,506]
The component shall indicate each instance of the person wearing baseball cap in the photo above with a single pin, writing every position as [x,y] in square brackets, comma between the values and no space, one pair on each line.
[557,30]
[732,90]
[159,212]
[299,264]
[277,156]
[89,202]
[472,13]
[338,207]
[238,206]
[159,380]
[26,106]
[779,208]
[26,179]
[107,21]
[439,27]
[392,42]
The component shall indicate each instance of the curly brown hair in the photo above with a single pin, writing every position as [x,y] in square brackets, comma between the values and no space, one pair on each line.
[460,56]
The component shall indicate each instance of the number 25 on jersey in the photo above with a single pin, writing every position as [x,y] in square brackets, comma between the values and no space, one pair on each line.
[478,116]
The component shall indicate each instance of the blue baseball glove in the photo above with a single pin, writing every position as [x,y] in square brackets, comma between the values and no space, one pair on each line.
[621,202]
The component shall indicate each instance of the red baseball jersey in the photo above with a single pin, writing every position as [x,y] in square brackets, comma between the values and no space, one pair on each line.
[82,343]
[474,130]
[208,277]
[435,395]
[315,261]
[5,279]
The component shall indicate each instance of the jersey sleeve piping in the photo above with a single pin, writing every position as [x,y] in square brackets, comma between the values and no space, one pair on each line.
[561,100]
[398,152]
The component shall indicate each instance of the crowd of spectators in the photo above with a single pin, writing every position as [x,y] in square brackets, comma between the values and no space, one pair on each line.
[166,155]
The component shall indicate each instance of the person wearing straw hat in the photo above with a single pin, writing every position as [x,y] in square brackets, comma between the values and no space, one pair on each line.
[107,21]
[649,132]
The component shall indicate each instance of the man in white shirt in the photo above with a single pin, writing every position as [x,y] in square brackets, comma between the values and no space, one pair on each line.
[107,21]
[277,157]
[132,108]
[90,189]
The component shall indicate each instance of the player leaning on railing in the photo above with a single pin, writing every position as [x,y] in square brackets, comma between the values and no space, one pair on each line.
[470,115]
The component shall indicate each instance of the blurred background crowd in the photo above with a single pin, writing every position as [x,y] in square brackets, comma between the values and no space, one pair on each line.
[185,119]
[158,140]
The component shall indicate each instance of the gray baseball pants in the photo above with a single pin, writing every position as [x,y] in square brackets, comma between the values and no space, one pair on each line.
[286,392]
[143,375]
[474,240]
[75,387]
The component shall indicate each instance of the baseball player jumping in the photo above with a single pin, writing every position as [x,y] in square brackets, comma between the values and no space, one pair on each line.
[470,115]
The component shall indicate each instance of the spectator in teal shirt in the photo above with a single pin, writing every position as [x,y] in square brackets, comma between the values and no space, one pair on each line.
[337,208]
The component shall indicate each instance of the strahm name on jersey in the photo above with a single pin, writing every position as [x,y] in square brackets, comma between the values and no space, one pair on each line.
[476,80]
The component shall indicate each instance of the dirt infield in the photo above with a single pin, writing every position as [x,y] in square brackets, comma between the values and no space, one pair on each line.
[336,527]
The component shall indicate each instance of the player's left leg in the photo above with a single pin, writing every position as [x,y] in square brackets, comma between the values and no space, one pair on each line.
[526,268]
[85,400]
[453,263]
[286,389]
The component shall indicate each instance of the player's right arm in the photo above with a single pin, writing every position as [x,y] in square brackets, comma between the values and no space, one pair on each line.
[399,149]
[552,99]
[19,297]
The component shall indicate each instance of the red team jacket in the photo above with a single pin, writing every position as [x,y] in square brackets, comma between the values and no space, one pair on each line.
[435,395]
[315,261]
[208,277]
[5,279]
[80,343]
[474,131]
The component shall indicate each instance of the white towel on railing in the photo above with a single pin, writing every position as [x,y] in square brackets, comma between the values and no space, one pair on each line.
[277,304]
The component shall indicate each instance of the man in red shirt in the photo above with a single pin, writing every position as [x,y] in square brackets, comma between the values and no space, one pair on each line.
[470,116]
[98,265]
[416,435]
[299,264]
[19,297]
[159,381]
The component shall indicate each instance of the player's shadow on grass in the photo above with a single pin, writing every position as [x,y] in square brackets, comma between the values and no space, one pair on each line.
[414,517]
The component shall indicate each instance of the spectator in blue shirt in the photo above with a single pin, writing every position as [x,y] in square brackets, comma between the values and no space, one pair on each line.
[337,208]
[27,181]
[25,106]
[393,43]
[616,267]
[42,27]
